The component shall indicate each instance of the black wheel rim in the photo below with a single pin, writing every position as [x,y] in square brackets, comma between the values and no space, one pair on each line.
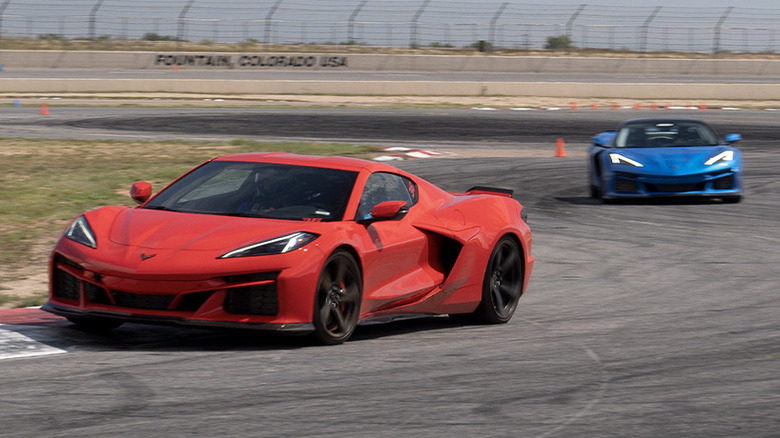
[506,279]
[339,298]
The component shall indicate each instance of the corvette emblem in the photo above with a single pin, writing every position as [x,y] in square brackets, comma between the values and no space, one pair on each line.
[146,257]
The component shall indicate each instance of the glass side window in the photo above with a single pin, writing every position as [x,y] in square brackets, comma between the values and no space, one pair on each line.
[381,187]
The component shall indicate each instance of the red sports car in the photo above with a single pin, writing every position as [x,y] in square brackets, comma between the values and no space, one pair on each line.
[293,243]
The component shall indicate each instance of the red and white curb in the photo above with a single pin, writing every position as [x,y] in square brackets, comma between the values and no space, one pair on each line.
[17,324]
[400,153]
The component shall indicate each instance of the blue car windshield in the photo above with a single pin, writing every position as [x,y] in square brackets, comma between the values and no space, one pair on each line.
[249,189]
[661,134]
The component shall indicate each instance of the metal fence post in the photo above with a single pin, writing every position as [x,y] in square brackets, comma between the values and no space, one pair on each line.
[413,36]
[718,28]
[182,17]
[92,15]
[351,22]
[268,17]
[645,27]
[492,35]
[2,14]
[570,23]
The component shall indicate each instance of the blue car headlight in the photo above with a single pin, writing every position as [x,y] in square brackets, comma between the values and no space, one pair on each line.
[620,159]
[721,157]
[277,245]
[79,231]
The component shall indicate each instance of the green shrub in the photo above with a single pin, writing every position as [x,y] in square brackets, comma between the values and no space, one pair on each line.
[560,42]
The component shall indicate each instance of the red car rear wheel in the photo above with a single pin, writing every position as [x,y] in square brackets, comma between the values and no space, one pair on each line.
[503,283]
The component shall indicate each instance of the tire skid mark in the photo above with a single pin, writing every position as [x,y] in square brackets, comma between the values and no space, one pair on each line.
[603,384]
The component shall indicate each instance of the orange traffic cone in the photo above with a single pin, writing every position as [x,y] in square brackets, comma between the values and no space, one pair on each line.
[44,110]
[560,150]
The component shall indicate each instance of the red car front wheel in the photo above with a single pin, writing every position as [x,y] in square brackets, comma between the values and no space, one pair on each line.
[337,301]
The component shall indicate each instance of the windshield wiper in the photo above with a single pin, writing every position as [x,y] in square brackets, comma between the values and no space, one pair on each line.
[160,207]
[244,214]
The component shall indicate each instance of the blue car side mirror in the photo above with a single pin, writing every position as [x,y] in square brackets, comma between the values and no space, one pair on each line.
[599,141]
[733,138]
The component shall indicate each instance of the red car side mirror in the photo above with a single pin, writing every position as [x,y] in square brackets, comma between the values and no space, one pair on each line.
[140,191]
[387,209]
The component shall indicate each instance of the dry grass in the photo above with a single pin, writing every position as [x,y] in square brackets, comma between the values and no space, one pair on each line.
[46,183]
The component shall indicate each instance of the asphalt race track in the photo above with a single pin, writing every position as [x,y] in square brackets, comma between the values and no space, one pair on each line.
[643,319]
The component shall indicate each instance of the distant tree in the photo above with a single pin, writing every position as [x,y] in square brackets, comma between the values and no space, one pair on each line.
[560,42]
[52,36]
[151,36]
[482,46]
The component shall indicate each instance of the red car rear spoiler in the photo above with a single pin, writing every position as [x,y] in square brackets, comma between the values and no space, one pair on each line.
[483,190]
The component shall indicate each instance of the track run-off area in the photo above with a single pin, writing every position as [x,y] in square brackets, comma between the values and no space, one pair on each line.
[642,319]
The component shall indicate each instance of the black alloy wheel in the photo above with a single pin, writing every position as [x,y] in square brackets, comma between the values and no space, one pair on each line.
[503,283]
[338,298]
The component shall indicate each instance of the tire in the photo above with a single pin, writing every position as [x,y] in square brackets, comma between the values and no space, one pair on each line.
[95,325]
[503,283]
[337,299]
[595,192]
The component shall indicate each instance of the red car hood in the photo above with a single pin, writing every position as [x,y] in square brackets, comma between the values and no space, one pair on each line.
[165,230]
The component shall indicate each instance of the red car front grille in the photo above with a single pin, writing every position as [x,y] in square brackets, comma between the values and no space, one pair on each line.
[142,301]
[256,299]
[96,294]
[259,299]
[66,286]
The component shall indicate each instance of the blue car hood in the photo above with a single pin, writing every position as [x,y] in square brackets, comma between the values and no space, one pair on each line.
[674,160]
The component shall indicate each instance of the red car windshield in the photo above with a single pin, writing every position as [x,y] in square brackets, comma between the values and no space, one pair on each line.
[236,188]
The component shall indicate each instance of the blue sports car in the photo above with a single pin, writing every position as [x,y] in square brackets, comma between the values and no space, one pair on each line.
[665,157]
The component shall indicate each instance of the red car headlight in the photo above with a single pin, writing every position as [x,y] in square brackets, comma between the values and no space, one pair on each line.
[278,245]
[79,231]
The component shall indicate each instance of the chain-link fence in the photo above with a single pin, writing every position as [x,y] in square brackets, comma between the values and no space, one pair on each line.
[400,23]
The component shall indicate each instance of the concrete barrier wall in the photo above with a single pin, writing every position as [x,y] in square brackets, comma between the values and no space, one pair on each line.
[476,63]
[367,62]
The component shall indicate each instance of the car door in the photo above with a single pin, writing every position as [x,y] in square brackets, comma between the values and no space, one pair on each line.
[395,252]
